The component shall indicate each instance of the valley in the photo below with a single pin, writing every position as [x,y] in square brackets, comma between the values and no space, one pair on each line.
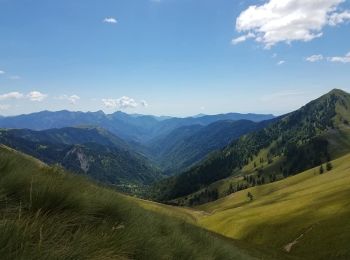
[175,130]
[47,213]
[227,184]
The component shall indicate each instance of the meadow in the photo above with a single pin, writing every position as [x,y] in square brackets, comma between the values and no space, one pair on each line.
[306,216]
[47,213]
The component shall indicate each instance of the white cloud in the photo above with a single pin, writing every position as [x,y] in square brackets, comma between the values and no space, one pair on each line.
[11,95]
[144,103]
[314,58]
[242,38]
[73,99]
[281,62]
[36,96]
[289,20]
[109,102]
[110,20]
[121,103]
[2,72]
[337,18]
[340,59]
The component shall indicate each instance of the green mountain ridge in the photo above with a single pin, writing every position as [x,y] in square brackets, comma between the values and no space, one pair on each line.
[94,152]
[295,142]
[188,145]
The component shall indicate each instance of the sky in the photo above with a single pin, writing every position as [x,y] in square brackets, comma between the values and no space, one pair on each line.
[171,57]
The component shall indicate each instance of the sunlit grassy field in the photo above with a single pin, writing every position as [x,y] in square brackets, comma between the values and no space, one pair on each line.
[307,214]
[47,213]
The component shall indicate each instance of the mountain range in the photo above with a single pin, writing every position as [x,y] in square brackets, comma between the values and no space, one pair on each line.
[316,133]
[240,181]
[122,148]
[134,128]
[188,145]
[94,152]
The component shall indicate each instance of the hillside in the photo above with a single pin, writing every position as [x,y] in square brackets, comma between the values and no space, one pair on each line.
[93,152]
[306,216]
[45,216]
[186,146]
[316,133]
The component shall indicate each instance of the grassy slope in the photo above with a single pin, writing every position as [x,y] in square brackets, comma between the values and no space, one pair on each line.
[315,205]
[46,213]
[339,145]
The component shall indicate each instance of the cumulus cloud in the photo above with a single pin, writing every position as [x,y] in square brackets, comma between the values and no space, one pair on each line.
[11,95]
[314,58]
[337,18]
[144,103]
[122,103]
[73,99]
[243,38]
[289,20]
[110,20]
[281,62]
[36,96]
[340,59]
[110,103]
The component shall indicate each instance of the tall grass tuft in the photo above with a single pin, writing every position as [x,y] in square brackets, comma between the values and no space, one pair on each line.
[46,213]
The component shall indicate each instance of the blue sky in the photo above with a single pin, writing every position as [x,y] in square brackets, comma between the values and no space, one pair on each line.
[171,57]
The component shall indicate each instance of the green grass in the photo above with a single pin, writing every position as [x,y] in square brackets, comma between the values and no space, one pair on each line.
[311,204]
[222,186]
[46,213]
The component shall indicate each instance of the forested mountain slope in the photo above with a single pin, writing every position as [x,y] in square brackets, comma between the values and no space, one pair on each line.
[94,152]
[316,133]
[186,146]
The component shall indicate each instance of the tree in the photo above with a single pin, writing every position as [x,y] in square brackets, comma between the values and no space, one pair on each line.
[250,196]
[231,189]
[321,169]
[329,166]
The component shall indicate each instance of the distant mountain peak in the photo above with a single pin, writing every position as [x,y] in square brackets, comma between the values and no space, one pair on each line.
[337,91]
[199,115]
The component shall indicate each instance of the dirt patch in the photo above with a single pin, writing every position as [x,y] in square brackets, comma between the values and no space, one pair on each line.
[290,245]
